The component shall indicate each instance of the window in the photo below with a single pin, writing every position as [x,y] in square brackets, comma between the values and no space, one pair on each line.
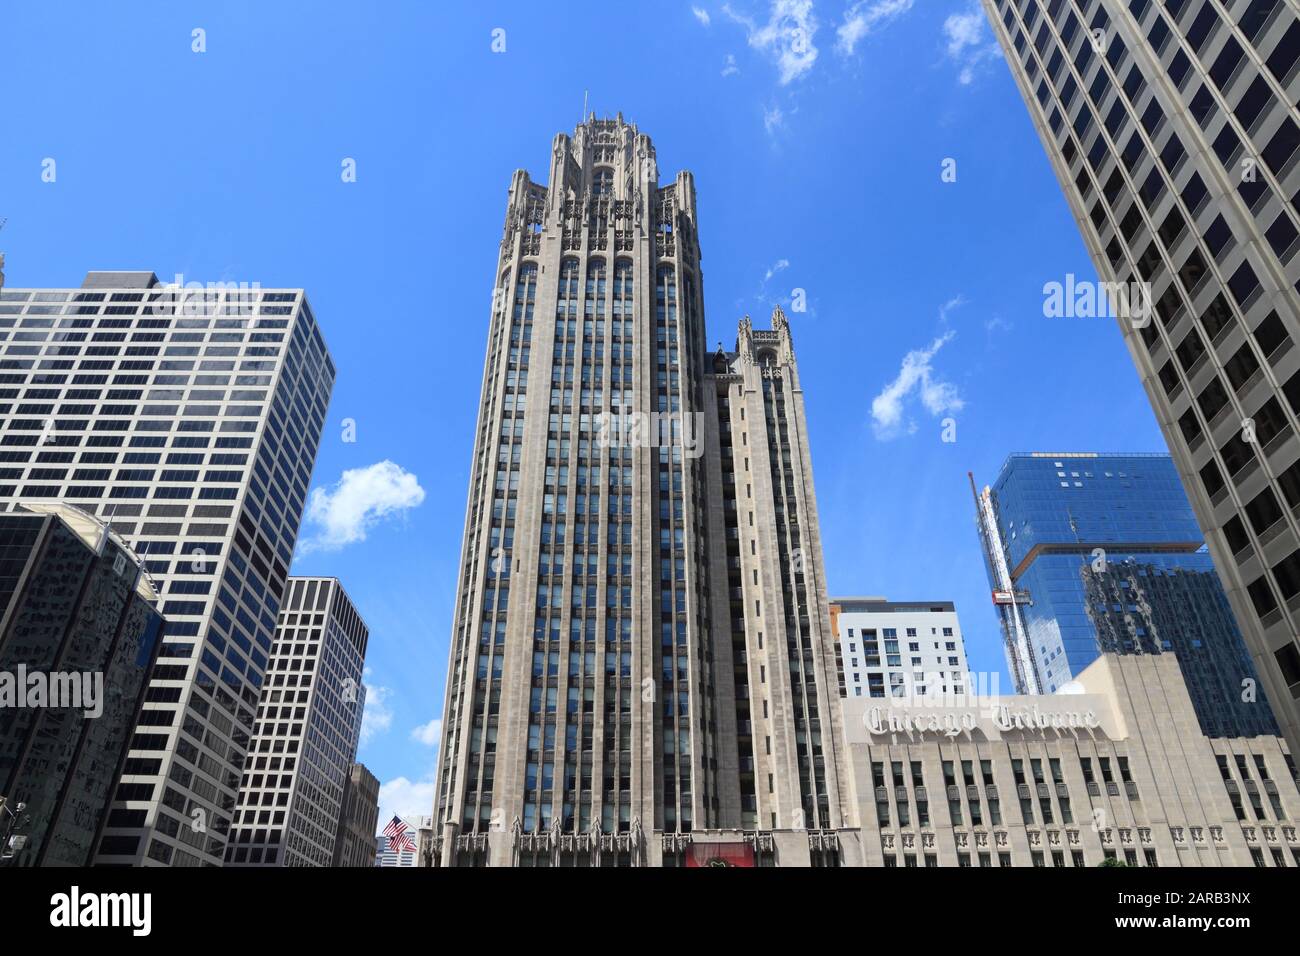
[1253,101]
[1283,59]
[1287,573]
[1282,146]
[1288,660]
[1264,511]
[1243,285]
[1241,367]
[1218,237]
[1213,398]
[1258,15]
[1261,596]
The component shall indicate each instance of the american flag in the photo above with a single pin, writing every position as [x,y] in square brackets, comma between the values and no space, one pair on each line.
[399,840]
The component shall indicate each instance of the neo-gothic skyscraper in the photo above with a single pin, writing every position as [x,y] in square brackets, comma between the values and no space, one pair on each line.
[1173,130]
[641,648]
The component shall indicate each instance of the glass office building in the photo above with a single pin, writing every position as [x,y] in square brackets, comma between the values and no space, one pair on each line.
[79,630]
[1103,553]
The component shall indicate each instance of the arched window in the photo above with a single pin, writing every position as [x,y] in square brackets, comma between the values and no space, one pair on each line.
[526,283]
[567,299]
[594,300]
[666,293]
[595,277]
[622,288]
[501,296]
[569,279]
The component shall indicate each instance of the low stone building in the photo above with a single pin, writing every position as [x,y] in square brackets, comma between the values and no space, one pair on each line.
[1118,769]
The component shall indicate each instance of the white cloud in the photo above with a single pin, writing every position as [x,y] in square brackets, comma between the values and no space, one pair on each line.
[701,15]
[405,798]
[963,30]
[429,734]
[773,119]
[730,68]
[378,715]
[966,43]
[997,324]
[778,266]
[955,302]
[359,500]
[889,408]
[787,37]
[864,17]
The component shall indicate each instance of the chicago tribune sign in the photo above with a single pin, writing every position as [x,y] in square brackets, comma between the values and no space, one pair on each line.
[952,723]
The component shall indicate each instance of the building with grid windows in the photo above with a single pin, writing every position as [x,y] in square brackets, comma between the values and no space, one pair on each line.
[354,845]
[188,420]
[308,725]
[1173,130]
[1089,554]
[1115,770]
[641,659]
[899,648]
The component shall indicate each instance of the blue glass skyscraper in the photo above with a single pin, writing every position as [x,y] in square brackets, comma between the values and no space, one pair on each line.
[1089,553]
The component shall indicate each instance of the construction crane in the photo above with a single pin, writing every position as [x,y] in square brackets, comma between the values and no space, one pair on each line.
[1007,600]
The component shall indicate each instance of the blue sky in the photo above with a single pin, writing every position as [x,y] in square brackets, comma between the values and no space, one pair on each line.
[817,133]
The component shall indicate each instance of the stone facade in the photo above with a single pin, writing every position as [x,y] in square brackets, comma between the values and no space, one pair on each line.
[1120,770]
[641,647]
[355,843]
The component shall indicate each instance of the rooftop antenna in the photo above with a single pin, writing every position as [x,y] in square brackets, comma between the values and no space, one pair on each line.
[584,110]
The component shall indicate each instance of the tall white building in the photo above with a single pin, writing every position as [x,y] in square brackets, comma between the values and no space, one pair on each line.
[1174,132]
[898,648]
[308,727]
[189,420]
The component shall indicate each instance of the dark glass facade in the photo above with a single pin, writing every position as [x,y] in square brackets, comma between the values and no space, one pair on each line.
[1105,555]
[72,608]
